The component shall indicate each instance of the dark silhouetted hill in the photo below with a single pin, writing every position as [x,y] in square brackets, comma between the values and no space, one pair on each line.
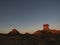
[14,32]
[38,32]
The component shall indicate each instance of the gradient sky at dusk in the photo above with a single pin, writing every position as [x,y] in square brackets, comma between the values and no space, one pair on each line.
[29,15]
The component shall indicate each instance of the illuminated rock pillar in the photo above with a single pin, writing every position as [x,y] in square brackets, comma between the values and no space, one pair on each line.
[45,27]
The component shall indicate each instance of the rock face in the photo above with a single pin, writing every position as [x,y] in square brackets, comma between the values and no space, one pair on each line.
[37,32]
[14,32]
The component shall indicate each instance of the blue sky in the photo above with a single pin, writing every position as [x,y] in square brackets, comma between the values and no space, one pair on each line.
[29,15]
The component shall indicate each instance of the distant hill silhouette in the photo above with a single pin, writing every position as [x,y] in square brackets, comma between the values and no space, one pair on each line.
[14,32]
[39,32]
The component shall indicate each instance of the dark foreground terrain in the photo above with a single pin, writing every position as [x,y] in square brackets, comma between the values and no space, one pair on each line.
[30,39]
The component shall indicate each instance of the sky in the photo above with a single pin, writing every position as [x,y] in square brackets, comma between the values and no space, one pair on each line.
[29,15]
